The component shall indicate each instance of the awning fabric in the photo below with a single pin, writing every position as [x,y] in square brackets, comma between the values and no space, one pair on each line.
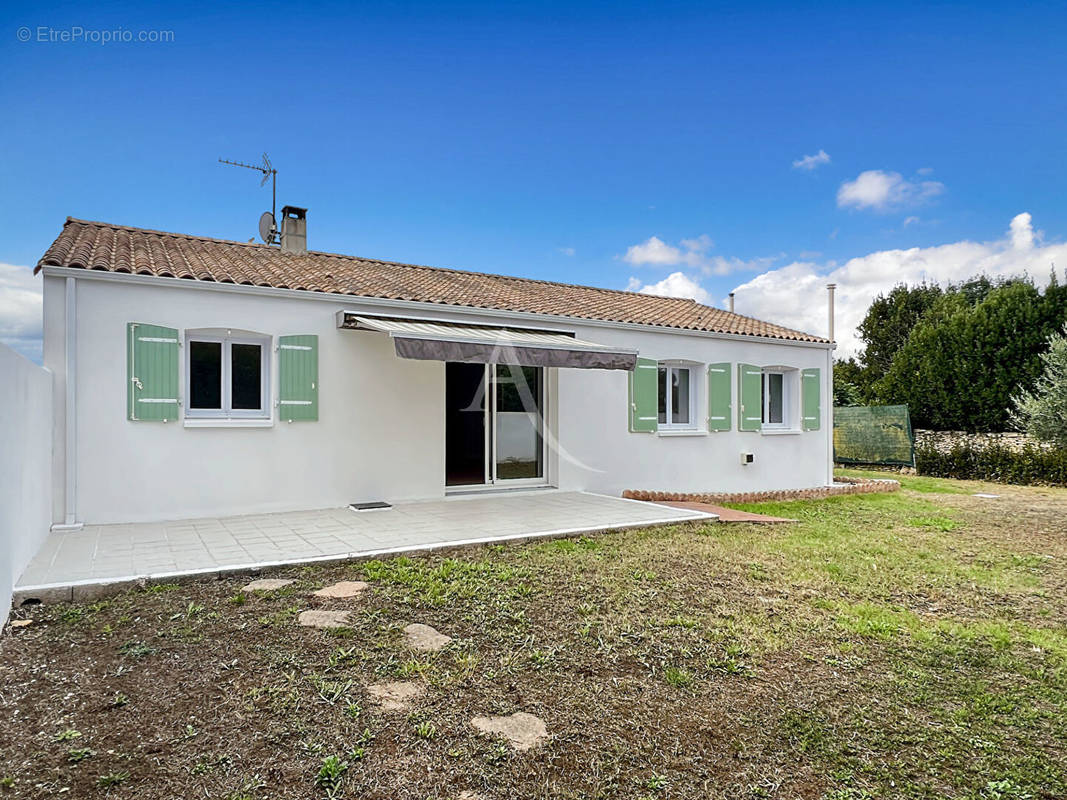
[446,341]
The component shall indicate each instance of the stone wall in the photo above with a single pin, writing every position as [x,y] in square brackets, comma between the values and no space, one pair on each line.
[946,440]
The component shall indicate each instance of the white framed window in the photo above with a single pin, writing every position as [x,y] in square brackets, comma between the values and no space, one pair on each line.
[227,375]
[677,396]
[779,393]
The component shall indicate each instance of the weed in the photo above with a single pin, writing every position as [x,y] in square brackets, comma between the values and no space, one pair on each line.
[67,735]
[72,615]
[137,649]
[656,783]
[366,737]
[425,730]
[330,691]
[1005,790]
[112,779]
[541,658]
[678,678]
[74,755]
[412,668]
[119,700]
[330,775]
[239,599]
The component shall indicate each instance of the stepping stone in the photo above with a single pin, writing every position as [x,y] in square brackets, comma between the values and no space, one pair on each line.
[522,730]
[423,637]
[319,618]
[265,585]
[394,696]
[342,589]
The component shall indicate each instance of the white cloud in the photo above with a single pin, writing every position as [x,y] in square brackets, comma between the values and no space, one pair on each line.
[795,295]
[910,221]
[692,253]
[655,252]
[567,251]
[810,163]
[677,284]
[20,310]
[885,191]
[1022,231]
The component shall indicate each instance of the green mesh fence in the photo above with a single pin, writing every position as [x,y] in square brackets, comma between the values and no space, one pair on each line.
[873,435]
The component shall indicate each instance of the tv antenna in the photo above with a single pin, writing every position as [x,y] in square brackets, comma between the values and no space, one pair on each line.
[268,228]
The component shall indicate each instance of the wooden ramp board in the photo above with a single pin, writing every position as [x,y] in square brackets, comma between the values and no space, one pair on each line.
[725,514]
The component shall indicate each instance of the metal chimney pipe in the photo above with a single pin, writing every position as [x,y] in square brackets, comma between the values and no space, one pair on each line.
[731,302]
[830,291]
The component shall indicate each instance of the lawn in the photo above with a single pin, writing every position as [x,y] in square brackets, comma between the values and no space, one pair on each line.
[905,645]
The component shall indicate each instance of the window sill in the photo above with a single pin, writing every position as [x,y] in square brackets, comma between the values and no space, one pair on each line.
[780,431]
[224,422]
[681,432]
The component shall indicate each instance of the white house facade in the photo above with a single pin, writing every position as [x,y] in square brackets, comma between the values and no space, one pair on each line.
[193,379]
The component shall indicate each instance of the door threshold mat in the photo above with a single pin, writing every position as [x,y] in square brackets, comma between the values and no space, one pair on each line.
[376,505]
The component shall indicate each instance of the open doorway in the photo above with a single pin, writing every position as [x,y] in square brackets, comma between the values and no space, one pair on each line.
[494,425]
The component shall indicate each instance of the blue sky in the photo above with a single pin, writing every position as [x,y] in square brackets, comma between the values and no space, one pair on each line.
[554,140]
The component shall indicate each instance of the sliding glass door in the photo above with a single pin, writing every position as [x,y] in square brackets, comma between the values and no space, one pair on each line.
[494,425]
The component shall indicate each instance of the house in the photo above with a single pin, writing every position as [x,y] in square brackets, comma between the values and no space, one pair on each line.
[201,377]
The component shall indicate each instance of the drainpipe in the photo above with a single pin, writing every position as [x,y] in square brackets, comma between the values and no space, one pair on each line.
[731,302]
[70,412]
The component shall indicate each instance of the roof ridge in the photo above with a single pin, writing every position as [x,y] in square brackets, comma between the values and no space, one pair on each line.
[406,265]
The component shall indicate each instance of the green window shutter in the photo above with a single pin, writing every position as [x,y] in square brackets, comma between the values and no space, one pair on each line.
[298,377]
[811,393]
[643,395]
[719,391]
[151,372]
[750,389]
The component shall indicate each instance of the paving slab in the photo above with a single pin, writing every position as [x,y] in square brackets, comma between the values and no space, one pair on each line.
[266,585]
[342,589]
[320,618]
[523,731]
[395,695]
[423,637]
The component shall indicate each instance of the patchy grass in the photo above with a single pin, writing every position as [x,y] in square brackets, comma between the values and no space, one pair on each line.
[909,645]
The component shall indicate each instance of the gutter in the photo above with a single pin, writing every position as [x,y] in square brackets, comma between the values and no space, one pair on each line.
[414,305]
[70,410]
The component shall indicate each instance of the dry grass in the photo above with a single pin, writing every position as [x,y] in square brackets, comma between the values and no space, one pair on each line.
[905,645]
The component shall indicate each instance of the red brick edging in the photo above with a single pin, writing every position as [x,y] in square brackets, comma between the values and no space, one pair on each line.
[854,486]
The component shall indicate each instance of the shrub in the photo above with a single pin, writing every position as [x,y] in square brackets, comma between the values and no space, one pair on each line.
[994,462]
[1043,412]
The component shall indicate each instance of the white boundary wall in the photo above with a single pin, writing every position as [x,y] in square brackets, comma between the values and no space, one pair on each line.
[25,466]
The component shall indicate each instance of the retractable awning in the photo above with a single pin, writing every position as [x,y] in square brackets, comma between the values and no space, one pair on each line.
[488,344]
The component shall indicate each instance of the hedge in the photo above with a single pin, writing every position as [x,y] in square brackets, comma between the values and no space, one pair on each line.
[1028,465]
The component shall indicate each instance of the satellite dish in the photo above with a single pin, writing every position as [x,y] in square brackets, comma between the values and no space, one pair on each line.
[266,227]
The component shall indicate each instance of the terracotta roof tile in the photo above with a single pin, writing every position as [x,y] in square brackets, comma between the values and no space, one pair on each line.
[115,248]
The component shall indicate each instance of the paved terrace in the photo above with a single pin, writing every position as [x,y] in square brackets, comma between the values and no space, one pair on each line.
[79,563]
